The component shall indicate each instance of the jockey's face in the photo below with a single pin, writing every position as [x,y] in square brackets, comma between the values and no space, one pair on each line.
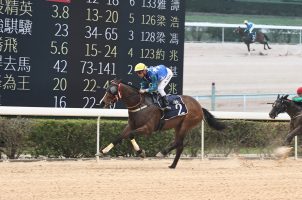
[141,73]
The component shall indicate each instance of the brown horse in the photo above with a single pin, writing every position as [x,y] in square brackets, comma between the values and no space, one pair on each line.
[281,105]
[246,38]
[145,118]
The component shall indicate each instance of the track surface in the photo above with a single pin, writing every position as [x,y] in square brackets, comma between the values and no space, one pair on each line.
[234,71]
[233,179]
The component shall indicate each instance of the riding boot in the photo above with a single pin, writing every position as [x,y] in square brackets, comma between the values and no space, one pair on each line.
[166,103]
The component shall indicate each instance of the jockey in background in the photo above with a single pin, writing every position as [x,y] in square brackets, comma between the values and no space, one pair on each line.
[298,99]
[249,29]
[154,78]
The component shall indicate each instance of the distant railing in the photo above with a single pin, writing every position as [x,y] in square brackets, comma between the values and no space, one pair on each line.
[242,99]
[291,29]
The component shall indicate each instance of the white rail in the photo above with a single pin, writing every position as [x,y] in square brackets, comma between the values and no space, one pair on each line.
[68,112]
[220,25]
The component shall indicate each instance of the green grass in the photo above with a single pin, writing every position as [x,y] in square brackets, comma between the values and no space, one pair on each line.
[238,19]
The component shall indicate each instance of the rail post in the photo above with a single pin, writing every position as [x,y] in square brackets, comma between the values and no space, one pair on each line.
[98,139]
[213,96]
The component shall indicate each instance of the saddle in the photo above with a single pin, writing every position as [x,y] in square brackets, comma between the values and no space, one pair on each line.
[178,107]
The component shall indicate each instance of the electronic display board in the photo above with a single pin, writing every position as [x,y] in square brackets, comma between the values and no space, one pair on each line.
[63,53]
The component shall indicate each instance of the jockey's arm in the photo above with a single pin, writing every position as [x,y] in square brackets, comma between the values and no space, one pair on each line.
[154,84]
[144,84]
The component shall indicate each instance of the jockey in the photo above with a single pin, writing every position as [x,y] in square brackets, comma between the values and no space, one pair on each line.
[298,99]
[154,78]
[249,28]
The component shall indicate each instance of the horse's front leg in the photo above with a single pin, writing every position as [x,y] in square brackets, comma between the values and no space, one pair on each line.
[268,46]
[142,130]
[291,135]
[264,46]
[118,140]
[248,48]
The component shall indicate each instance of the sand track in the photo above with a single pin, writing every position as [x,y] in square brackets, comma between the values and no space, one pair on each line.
[236,72]
[232,179]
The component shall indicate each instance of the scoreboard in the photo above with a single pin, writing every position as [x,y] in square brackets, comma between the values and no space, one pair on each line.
[63,53]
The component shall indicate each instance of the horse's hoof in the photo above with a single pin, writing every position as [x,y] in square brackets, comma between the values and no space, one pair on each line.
[101,155]
[172,167]
[160,155]
[142,154]
[282,152]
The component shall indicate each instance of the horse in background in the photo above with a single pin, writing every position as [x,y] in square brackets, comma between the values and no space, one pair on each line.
[281,105]
[247,39]
[145,118]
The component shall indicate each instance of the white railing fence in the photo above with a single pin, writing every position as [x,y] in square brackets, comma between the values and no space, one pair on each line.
[98,113]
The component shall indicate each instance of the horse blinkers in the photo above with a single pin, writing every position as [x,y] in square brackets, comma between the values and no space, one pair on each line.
[111,96]
[278,107]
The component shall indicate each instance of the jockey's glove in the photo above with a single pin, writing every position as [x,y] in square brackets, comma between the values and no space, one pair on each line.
[142,91]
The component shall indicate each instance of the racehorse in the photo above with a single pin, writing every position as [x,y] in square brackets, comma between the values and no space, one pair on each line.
[145,118]
[245,37]
[281,105]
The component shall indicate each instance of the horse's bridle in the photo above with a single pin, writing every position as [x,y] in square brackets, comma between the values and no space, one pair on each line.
[282,108]
[119,96]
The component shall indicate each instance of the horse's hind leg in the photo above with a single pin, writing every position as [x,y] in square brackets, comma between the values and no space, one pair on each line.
[167,150]
[179,149]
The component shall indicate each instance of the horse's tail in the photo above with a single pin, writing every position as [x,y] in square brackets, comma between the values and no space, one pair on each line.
[212,121]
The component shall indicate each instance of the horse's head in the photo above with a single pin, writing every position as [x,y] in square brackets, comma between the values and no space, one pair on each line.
[118,90]
[238,30]
[279,106]
[112,94]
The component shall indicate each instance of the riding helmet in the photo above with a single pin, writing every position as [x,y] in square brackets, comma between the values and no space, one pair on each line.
[245,22]
[140,67]
[299,90]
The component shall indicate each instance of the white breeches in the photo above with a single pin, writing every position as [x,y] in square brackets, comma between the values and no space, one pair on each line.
[251,29]
[163,83]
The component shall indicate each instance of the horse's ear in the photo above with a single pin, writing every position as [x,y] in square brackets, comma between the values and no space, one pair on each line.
[278,96]
[285,97]
[115,80]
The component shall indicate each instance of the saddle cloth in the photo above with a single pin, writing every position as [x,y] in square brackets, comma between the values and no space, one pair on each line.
[253,36]
[178,107]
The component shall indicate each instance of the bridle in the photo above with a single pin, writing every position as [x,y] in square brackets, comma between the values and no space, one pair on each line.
[119,96]
[281,108]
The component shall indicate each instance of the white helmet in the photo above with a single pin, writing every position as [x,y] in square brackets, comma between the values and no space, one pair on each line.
[245,22]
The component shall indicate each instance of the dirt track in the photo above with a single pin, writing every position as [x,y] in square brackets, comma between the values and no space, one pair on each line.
[235,72]
[233,179]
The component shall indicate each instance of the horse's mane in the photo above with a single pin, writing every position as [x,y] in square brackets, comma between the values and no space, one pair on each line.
[284,97]
[132,86]
[117,81]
